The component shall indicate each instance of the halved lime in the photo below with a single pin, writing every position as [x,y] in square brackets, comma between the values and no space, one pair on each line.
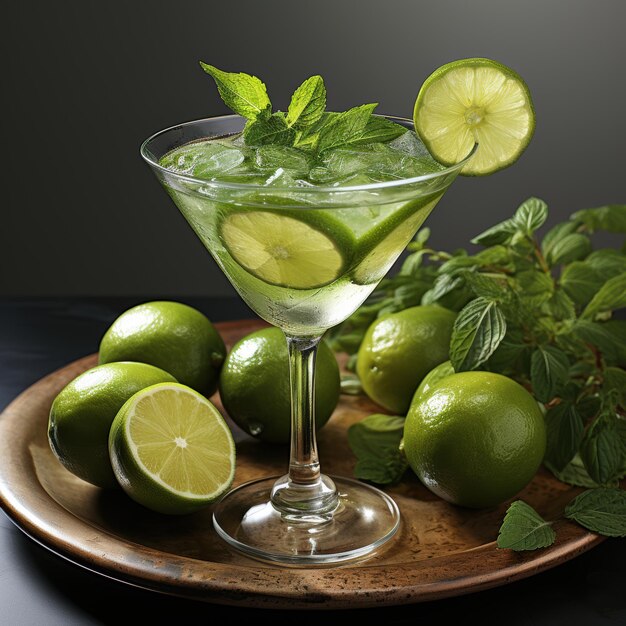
[475,101]
[379,248]
[296,249]
[171,449]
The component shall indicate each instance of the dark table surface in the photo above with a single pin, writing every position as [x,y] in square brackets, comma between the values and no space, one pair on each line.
[38,587]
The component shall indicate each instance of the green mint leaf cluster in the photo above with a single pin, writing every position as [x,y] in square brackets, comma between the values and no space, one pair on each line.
[306,125]
[600,510]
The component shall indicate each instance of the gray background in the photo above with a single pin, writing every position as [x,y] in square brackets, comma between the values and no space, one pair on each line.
[85,82]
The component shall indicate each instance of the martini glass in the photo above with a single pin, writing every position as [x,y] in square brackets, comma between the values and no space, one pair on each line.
[303,258]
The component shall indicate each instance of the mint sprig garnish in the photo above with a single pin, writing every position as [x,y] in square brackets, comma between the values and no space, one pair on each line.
[306,125]
[345,128]
[242,93]
[308,104]
[270,130]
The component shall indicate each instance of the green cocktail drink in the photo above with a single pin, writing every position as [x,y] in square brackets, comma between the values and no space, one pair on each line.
[304,240]
[305,212]
[304,243]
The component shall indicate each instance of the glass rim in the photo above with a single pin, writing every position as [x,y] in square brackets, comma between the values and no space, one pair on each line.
[217,184]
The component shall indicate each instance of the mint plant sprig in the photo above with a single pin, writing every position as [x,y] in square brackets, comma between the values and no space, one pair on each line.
[306,125]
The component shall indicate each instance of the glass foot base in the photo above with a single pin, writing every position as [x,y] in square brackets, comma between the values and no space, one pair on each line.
[364,520]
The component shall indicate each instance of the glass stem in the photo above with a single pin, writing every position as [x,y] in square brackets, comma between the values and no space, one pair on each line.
[304,493]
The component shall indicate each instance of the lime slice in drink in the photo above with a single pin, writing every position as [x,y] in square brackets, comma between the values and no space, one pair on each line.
[299,250]
[380,247]
[475,101]
[171,450]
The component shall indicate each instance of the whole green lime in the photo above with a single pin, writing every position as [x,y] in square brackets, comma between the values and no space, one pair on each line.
[82,413]
[254,385]
[398,350]
[172,336]
[475,439]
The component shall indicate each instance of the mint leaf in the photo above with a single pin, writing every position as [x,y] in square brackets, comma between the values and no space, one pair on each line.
[242,93]
[380,130]
[549,368]
[564,431]
[615,383]
[501,233]
[375,442]
[307,103]
[607,262]
[509,350]
[580,281]
[344,128]
[485,285]
[611,218]
[536,287]
[600,510]
[531,215]
[477,331]
[524,529]
[555,235]
[574,473]
[273,130]
[560,306]
[443,285]
[574,247]
[611,296]
[602,451]
[604,336]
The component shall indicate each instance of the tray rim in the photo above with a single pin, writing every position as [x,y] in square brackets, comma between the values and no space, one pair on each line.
[55,528]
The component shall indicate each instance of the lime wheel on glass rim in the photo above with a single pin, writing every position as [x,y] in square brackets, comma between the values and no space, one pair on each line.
[475,101]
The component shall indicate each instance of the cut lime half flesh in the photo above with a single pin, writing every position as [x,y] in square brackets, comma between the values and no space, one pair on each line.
[171,449]
[298,250]
[475,101]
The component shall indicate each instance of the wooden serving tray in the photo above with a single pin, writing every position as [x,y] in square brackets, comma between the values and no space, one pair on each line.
[440,550]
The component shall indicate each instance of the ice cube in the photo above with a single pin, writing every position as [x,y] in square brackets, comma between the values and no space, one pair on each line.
[281,178]
[344,162]
[409,143]
[410,167]
[183,159]
[273,157]
[320,175]
[216,159]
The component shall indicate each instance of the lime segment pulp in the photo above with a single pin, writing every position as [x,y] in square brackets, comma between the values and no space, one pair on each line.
[171,449]
[286,250]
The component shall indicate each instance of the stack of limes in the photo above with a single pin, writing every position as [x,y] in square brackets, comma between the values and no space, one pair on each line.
[129,421]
